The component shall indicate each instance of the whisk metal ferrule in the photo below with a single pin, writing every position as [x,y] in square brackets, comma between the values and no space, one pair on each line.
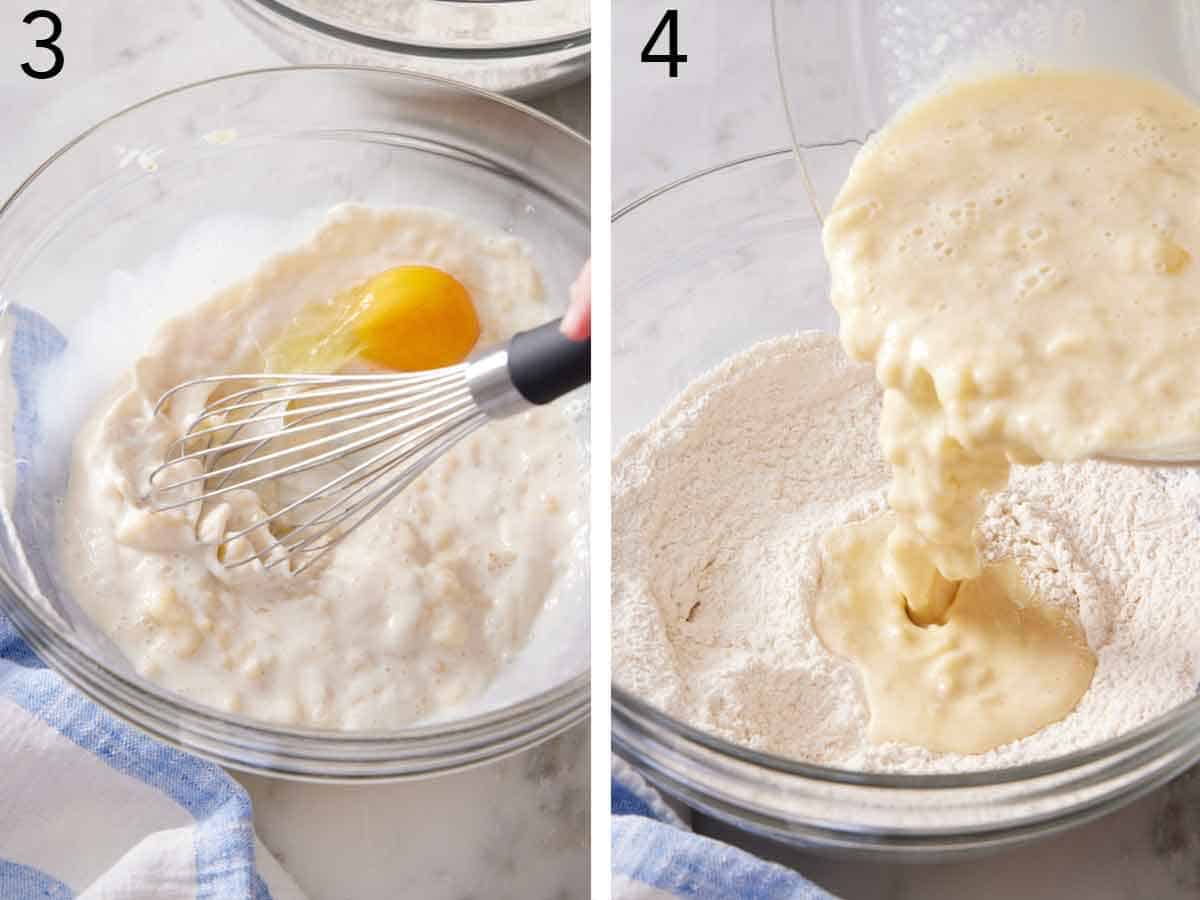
[490,383]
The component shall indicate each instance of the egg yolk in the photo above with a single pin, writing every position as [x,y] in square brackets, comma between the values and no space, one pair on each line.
[408,319]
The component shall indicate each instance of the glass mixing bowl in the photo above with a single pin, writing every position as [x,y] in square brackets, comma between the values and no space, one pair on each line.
[518,47]
[263,153]
[702,269]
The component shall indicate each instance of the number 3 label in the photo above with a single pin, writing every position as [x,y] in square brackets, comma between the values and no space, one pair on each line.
[46,43]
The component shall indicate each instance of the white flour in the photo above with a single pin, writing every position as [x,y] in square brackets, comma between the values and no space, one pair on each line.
[717,509]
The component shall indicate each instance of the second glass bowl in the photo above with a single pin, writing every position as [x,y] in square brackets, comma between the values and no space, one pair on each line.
[522,48]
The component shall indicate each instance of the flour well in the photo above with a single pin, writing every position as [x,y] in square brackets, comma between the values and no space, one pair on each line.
[718,506]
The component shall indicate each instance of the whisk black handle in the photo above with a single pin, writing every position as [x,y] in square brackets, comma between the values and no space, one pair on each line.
[544,364]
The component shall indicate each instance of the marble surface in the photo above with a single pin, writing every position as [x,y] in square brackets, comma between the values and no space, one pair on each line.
[514,829]
[724,105]
[1149,849]
[118,53]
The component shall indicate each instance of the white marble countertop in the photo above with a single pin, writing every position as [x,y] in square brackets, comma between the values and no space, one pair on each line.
[512,830]
[725,104]
[515,829]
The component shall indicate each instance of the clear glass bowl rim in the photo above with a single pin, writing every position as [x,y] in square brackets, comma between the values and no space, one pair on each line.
[372,41]
[249,744]
[627,707]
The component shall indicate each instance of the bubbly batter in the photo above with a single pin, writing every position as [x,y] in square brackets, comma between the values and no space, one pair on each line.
[412,613]
[1014,255]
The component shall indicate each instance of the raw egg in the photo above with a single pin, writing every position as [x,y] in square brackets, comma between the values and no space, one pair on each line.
[409,318]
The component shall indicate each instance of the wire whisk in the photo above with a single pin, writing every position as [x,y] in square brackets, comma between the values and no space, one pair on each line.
[332,450]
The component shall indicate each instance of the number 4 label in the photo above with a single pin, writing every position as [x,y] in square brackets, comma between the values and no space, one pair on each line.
[670,24]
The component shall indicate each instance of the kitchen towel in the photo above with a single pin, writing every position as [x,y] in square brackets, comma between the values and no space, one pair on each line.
[655,856]
[89,806]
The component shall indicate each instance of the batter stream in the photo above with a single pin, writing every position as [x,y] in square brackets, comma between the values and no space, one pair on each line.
[1010,254]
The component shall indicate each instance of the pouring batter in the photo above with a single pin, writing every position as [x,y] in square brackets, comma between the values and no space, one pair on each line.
[1014,256]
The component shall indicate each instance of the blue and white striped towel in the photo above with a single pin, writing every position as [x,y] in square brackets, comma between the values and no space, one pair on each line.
[90,807]
[655,856]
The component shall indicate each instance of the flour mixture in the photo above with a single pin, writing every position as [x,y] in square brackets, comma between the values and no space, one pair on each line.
[719,507]
[1015,258]
[413,613]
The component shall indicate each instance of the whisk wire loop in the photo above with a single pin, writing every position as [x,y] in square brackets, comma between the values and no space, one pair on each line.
[370,436]
[365,508]
[397,398]
[375,433]
[362,474]
[363,437]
